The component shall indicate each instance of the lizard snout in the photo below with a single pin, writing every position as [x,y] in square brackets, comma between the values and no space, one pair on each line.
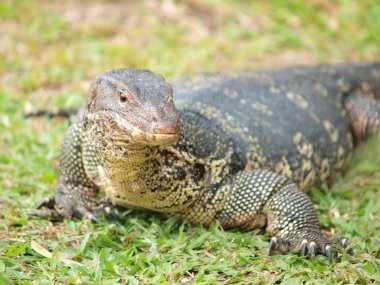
[163,133]
[167,128]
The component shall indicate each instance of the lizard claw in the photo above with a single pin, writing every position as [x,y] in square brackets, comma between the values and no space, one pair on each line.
[92,218]
[272,246]
[329,253]
[303,247]
[312,251]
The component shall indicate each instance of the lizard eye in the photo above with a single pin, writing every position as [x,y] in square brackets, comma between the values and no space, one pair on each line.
[122,97]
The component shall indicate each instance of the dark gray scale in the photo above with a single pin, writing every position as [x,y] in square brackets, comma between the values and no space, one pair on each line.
[215,158]
[270,115]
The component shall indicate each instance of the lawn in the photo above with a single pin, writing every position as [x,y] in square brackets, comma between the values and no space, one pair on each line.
[49,53]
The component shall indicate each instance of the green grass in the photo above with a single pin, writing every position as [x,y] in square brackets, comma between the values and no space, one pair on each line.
[49,53]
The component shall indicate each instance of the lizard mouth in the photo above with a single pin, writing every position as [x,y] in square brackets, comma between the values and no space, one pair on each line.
[138,132]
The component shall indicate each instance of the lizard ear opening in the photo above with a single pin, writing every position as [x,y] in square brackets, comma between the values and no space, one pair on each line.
[90,101]
[91,97]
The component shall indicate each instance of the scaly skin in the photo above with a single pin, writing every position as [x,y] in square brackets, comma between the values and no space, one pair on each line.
[238,148]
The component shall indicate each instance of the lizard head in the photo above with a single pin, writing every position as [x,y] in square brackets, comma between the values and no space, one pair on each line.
[131,109]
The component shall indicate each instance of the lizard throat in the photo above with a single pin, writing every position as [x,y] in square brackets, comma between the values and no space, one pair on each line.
[139,179]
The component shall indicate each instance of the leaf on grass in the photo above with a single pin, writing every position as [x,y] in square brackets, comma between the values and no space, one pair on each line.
[66,255]
[40,249]
[5,280]
[44,252]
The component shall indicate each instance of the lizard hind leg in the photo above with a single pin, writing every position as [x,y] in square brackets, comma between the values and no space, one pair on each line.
[364,115]
[262,198]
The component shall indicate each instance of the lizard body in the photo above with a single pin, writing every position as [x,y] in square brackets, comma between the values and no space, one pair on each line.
[234,148]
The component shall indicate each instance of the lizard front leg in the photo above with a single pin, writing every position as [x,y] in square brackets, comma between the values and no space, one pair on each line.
[76,195]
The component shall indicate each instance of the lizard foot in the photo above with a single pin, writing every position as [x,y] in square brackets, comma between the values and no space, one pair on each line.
[48,208]
[308,242]
[108,209]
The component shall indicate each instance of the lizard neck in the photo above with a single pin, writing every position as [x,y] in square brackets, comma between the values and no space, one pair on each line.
[143,179]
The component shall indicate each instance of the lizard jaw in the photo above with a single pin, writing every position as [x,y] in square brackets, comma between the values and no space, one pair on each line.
[142,140]
[144,132]
[129,131]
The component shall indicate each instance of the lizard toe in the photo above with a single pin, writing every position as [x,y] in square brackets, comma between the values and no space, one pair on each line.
[304,247]
[278,243]
[312,251]
[48,208]
[329,253]
[48,202]
[46,213]
[272,246]
[107,209]
[342,243]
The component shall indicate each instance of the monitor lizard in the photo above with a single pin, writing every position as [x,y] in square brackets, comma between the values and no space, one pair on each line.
[241,149]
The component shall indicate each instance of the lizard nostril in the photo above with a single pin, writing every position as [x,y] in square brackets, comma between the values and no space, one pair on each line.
[154,119]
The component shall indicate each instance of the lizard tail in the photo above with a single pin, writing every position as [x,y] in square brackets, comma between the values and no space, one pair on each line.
[362,104]
[364,78]
[65,113]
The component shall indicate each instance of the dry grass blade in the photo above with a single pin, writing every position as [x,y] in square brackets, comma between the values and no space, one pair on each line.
[46,253]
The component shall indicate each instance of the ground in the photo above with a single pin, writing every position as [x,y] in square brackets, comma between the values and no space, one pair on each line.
[50,51]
